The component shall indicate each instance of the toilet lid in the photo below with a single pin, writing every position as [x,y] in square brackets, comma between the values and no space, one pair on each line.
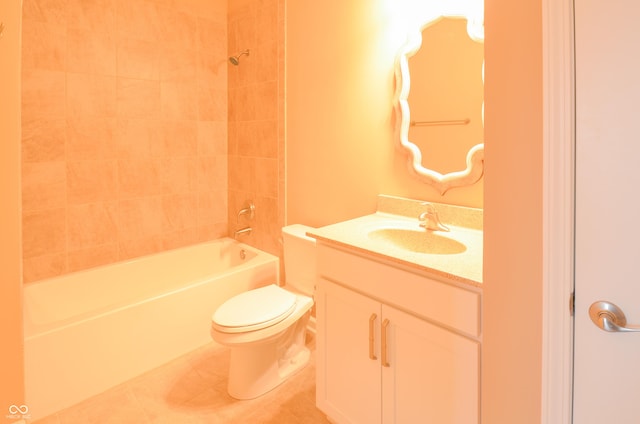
[255,309]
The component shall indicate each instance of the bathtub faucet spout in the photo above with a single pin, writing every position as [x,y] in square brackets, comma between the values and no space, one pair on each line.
[245,230]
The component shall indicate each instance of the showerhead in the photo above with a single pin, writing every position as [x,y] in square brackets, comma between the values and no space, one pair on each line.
[235,60]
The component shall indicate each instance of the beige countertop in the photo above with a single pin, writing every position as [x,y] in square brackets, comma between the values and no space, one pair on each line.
[464,266]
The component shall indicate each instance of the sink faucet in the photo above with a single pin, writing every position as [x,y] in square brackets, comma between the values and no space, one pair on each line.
[429,219]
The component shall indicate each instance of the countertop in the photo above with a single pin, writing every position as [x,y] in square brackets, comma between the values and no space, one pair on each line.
[464,267]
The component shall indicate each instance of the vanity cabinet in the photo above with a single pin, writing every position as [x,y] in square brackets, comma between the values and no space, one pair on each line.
[394,346]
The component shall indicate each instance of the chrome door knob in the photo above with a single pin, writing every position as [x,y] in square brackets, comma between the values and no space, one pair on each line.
[609,317]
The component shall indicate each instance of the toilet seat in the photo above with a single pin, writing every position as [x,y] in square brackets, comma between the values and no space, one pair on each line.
[254,310]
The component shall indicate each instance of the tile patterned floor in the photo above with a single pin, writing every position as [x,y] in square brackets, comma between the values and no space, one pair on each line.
[192,390]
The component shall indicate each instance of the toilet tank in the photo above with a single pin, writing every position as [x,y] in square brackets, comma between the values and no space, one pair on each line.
[299,258]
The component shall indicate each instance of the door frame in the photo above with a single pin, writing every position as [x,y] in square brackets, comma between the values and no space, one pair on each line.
[558,209]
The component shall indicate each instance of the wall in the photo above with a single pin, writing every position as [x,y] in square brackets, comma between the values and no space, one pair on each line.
[340,86]
[11,362]
[340,157]
[124,130]
[512,307]
[256,120]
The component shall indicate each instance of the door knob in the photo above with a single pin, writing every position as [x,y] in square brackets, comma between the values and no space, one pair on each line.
[609,317]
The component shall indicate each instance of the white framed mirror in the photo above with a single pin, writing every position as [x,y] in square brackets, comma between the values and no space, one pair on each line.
[438,102]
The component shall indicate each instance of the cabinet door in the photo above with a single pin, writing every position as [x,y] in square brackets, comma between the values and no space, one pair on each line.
[348,379]
[433,374]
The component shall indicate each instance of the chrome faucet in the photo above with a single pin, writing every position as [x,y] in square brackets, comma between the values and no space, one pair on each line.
[429,219]
[250,210]
[242,231]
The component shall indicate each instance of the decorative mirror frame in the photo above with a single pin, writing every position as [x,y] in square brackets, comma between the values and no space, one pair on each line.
[475,156]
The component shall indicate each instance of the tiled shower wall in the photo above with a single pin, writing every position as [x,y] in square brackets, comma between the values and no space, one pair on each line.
[134,139]
[124,130]
[256,119]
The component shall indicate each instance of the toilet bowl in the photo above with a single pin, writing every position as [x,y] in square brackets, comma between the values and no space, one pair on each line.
[265,328]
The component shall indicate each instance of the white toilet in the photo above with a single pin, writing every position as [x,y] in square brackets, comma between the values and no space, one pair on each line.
[265,327]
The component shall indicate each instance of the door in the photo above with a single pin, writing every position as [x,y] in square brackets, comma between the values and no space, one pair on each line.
[607,253]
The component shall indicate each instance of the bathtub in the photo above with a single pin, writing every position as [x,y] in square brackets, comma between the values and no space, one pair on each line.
[91,330]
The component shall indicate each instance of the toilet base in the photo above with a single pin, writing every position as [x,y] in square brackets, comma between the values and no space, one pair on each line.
[256,369]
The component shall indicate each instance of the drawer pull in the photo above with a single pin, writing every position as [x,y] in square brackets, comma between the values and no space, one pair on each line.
[385,361]
[372,321]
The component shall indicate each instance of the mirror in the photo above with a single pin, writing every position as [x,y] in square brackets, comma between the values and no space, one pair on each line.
[439,101]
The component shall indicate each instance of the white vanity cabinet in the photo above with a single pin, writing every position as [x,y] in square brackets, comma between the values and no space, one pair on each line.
[394,346]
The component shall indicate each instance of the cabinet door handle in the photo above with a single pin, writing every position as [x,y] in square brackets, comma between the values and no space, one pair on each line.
[385,361]
[372,320]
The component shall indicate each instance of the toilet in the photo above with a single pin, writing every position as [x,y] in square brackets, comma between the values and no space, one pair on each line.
[265,327]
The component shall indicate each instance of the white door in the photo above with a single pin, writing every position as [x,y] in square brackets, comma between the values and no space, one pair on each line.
[607,364]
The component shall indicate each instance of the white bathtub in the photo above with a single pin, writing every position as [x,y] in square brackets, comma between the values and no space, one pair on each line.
[91,330]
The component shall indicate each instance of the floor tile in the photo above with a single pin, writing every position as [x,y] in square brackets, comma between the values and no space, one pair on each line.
[192,390]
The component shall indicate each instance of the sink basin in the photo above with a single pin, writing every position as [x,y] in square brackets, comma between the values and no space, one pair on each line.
[418,240]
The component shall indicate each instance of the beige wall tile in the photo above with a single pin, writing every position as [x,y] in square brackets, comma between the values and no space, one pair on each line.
[179,175]
[178,138]
[135,136]
[91,181]
[44,232]
[90,95]
[130,109]
[43,139]
[139,177]
[267,177]
[212,173]
[212,208]
[44,185]
[179,100]
[178,64]
[91,225]
[139,20]
[183,28]
[44,46]
[43,95]
[89,51]
[91,138]
[132,248]
[181,238]
[98,16]
[52,11]
[92,257]
[212,138]
[212,104]
[44,266]
[139,59]
[140,218]
[258,138]
[179,212]
[138,98]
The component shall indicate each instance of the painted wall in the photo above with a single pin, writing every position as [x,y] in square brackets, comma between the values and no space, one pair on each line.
[511,366]
[340,156]
[11,362]
[340,86]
